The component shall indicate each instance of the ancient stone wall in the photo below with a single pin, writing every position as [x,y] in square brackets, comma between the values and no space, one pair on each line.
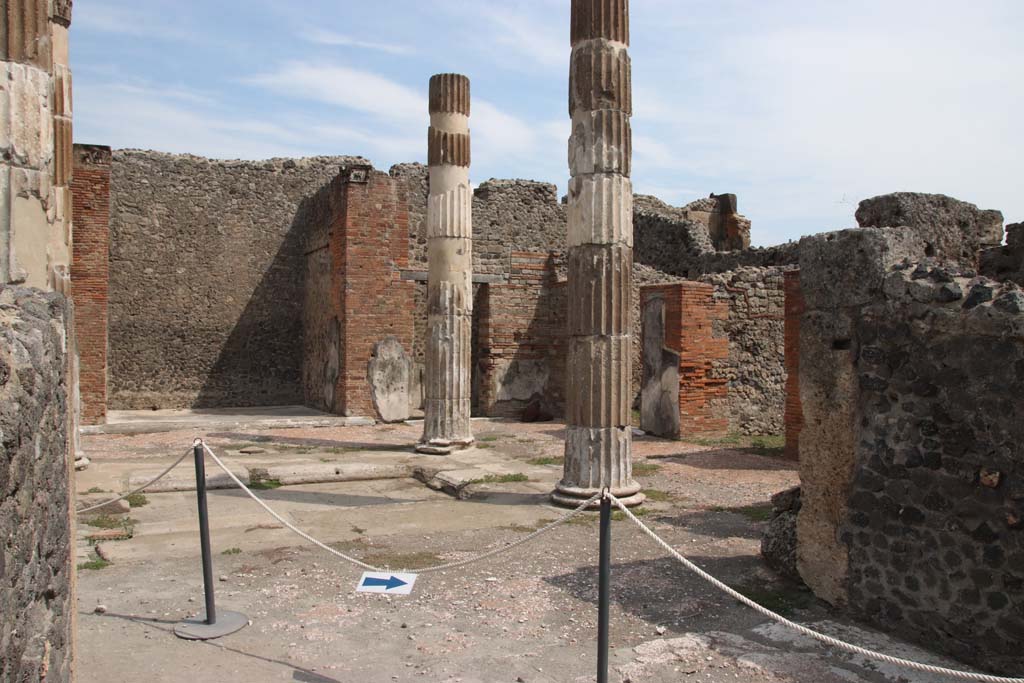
[206,278]
[912,509]
[90,274]
[523,340]
[793,417]
[951,229]
[36,594]
[1006,262]
[755,371]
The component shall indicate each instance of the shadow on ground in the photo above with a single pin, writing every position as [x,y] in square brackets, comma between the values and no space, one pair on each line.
[166,625]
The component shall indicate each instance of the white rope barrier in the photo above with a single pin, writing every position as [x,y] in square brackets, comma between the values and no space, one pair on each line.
[821,637]
[140,489]
[425,570]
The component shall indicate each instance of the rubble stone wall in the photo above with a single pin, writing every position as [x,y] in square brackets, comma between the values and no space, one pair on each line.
[755,371]
[912,511]
[206,278]
[36,594]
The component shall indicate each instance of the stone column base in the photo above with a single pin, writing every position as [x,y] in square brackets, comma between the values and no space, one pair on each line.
[572,497]
[444,447]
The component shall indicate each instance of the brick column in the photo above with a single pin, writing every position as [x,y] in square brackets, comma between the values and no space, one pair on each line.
[370,247]
[90,274]
[448,385]
[794,417]
[598,442]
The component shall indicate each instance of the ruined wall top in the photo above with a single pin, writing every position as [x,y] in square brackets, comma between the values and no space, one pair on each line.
[952,229]
[607,19]
[92,155]
[449,94]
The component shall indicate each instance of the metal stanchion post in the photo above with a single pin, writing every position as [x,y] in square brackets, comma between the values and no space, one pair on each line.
[604,589]
[209,626]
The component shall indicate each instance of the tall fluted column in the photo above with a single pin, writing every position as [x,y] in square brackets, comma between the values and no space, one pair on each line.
[446,425]
[598,434]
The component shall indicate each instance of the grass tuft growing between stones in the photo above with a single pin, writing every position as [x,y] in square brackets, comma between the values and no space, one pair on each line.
[137,500]
[770,445]
[412,561]
[755,513]
[500,479]
[110,522]
[547,460]
[94,563]
[95,489]
[645,469]
[782,599]
[656,496]
[231,551]
[620,516]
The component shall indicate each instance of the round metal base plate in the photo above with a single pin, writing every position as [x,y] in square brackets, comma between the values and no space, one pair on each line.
[197,629]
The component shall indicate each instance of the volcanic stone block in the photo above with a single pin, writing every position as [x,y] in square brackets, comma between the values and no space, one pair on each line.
[389,374]
[602,142]
[598,366]
[600,210]
[600,78]
[950,228]
[600,289]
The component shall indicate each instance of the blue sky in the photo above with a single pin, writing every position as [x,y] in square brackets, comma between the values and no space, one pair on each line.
[800,108]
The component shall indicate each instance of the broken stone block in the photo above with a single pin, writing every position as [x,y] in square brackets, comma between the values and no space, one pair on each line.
[388,373]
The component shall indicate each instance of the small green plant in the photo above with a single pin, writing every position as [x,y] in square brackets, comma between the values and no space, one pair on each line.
[266,485]
[95,489]
[484,446]
[402,560]
[784,600]
[620,516]
[137,500]
[500,479]
[547,460]
[645,469]
[94,563]
[755,513]
[232,551]
[656,496]
[109,522]
[491,438]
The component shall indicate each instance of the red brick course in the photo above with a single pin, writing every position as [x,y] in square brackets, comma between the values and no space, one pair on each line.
[794,418]
[370,247]
[90,274]
[691,314]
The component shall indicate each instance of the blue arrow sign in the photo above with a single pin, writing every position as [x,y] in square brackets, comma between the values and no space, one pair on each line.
[386,582]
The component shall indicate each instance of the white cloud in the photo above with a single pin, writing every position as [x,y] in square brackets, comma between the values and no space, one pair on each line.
[347,88]
[324,37]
